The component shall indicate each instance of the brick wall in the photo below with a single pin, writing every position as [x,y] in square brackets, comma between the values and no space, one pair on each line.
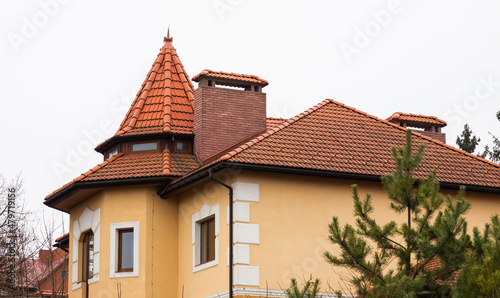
[439,136]
[223,117]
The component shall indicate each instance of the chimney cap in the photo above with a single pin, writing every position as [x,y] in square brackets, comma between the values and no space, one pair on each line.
[229,76]
[416,120]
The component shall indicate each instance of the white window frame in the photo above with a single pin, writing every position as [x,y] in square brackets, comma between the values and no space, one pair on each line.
[206,212]
[113,260]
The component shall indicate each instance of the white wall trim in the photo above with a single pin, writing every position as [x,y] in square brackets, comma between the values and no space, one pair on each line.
[113,259]
[94,279]
[245,191]
[246,275]
[264,293]
[76,286]
[241,254]
[205,212]
[241,212]
[246,233]
[88,220]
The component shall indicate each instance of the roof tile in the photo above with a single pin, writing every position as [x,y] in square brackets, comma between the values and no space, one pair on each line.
[165,91]
[231,76]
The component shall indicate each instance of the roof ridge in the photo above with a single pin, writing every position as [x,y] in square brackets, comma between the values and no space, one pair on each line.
[275,129]
[165,91]
[87,173]
[166,159]
[416,133]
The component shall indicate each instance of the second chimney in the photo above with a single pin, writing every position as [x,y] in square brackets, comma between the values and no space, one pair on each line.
[426,125]
[228,108]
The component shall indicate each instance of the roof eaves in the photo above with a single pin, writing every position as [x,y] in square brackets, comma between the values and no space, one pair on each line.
[79,185]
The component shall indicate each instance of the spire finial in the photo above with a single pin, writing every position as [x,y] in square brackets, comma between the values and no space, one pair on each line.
[168,38]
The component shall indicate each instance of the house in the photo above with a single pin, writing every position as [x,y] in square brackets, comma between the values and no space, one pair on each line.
[152,220]
[45,276]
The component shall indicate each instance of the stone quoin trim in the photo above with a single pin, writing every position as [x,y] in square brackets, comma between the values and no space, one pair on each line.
[88,220]
[206,212]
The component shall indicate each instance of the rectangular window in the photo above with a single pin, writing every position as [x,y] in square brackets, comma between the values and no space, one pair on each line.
[125,250]
[181,146]
[145,146]
[113,153]
[207,240]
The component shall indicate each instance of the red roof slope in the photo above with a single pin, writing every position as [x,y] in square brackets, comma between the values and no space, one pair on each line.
[137,166]
[273,121]
[338,138]
[165,101]
[412,118]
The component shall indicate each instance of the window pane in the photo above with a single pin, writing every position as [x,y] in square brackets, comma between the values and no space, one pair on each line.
[182,146]
[211,240]
[144,146]
[203,243]
[91,255]
[207,240]
[127,253]
[113,153]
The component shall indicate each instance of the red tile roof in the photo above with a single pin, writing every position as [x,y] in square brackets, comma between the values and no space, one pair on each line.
[61,237]
[337,138]
[273,121]
[165,101]
[412,118]
[230,76]
[123,166]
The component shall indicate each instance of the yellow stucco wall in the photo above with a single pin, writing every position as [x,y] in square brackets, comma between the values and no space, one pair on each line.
[158,241]
[211,280]
[293,214]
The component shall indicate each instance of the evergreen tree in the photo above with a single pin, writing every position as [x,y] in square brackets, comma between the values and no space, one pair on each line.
[435,229]
[480,277]
[467,141]
[309,290]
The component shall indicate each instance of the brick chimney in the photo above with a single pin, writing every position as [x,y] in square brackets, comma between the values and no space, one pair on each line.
[426,125]
[228,108]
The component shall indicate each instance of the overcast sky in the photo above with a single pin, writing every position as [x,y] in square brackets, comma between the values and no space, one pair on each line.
[69,69]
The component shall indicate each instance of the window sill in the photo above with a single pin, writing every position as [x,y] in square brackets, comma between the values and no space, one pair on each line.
[206,265]
[124,274]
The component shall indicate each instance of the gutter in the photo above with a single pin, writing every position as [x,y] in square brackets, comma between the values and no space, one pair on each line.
[210,174]
[180,183]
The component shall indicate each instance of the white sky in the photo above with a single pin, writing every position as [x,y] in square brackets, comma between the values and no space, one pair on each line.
[70,67]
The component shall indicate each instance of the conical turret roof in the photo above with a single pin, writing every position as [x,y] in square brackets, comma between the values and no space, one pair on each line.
[165,101]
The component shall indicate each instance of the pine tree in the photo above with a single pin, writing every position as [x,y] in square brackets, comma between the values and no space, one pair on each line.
[467,141]
[480,277]
[435,228]
[309,290]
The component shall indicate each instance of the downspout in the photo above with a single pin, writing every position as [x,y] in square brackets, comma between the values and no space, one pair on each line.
[210,174]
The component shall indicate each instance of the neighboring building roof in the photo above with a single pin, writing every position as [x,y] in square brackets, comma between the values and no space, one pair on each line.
[415,119]
[38,270]
[63,237]
[230,76]
[165,101]
[336,138]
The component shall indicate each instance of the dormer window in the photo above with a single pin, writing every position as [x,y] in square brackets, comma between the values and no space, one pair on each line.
[145,147]
[113,153]
[182,146]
